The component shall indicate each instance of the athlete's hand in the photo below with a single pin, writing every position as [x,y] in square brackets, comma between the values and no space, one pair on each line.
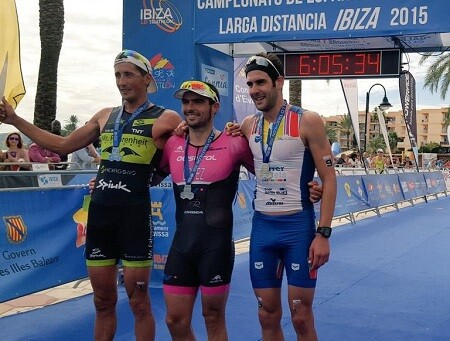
[319,251]
[91,185]
[315,191]
[182,129]
[233,129]
[7,113]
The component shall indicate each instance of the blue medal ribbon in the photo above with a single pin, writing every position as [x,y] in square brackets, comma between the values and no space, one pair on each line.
[189,174]
[271,135]
[119,128]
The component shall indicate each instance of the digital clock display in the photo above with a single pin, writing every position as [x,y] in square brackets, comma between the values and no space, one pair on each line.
[347,64]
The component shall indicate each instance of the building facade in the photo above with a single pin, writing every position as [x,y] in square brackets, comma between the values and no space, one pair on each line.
[430,128]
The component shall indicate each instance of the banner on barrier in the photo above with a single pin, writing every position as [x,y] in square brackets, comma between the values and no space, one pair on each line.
[40,241]
[42,244]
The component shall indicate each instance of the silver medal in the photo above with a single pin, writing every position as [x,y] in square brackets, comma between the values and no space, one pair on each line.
[115,155]
[265,173]
[187,193]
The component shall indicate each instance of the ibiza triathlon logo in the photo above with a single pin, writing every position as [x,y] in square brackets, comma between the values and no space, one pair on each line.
[16,231]
[161,13]
[164,15]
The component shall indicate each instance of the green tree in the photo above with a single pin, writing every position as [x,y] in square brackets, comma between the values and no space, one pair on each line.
[330,131]
[345,126]
[430,147]
[71,125]
[393,140]
[438,73]
[376,143]
[51,31]
[295,92]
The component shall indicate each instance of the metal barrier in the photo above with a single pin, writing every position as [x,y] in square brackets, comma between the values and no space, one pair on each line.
[42,179]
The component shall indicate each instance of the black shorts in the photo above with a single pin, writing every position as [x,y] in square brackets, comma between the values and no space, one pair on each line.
[200,255]
[119,232]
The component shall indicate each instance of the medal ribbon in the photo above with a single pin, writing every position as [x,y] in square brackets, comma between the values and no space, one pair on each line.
[271,136]
[118,129]
[189,174]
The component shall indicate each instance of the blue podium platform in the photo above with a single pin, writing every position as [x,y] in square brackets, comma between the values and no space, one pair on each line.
[388,279]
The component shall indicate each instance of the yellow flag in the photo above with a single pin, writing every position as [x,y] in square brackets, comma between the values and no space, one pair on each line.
[11,81]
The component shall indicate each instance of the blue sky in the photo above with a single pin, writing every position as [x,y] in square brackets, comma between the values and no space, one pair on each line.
[92,38]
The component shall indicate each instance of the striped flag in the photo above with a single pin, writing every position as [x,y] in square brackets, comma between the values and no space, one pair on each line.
[11,81]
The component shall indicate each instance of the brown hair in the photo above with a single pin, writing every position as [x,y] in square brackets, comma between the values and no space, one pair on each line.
[19,145]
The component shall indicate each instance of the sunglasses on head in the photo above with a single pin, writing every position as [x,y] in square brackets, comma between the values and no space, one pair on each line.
[13,138]
[133,54]
[203,88]
[259,60]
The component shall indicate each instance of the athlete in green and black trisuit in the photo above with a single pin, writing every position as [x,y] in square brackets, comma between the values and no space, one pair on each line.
[118,222]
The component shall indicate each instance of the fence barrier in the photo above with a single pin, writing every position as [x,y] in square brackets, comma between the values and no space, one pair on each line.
[44,219]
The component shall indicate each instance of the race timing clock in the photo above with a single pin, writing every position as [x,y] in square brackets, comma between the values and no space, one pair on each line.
[342,64]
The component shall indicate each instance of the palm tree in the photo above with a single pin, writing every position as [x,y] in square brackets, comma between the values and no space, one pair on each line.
[295,92]
[393,140]
[376,143]
[438,74]
[51,31]
[345,125]
[330,131]
[71,125]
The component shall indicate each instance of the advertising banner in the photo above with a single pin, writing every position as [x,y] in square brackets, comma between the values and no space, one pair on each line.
[41,245]
[243,210]
[242,102]
[217,69]
[350,89]
[413,185]
[162,32]
[164,226]
[351,195]
[255,21]
[407,87]
[382,189]
[435,182]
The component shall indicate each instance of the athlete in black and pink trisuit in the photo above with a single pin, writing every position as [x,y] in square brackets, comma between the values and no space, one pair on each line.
[202,252]
[205,170]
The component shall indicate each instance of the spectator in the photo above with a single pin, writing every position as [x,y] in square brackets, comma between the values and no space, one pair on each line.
[379,161]
[366,159]
[42,155]
[396,163]
[15,153]
[56,129]
[408,163]
[446,164]
[354,160]
[84,158]
[343,161]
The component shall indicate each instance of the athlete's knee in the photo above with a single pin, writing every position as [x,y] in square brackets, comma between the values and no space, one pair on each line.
[139,300]
[177,323]
[105,303]
[213,316]
[269,316]
[302,317]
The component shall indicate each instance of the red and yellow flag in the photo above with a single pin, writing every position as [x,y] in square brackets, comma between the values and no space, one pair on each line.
[11,80]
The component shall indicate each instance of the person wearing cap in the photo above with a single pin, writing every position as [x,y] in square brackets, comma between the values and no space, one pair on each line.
[379,162]
[204,167]
[288,144]
[119,224]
